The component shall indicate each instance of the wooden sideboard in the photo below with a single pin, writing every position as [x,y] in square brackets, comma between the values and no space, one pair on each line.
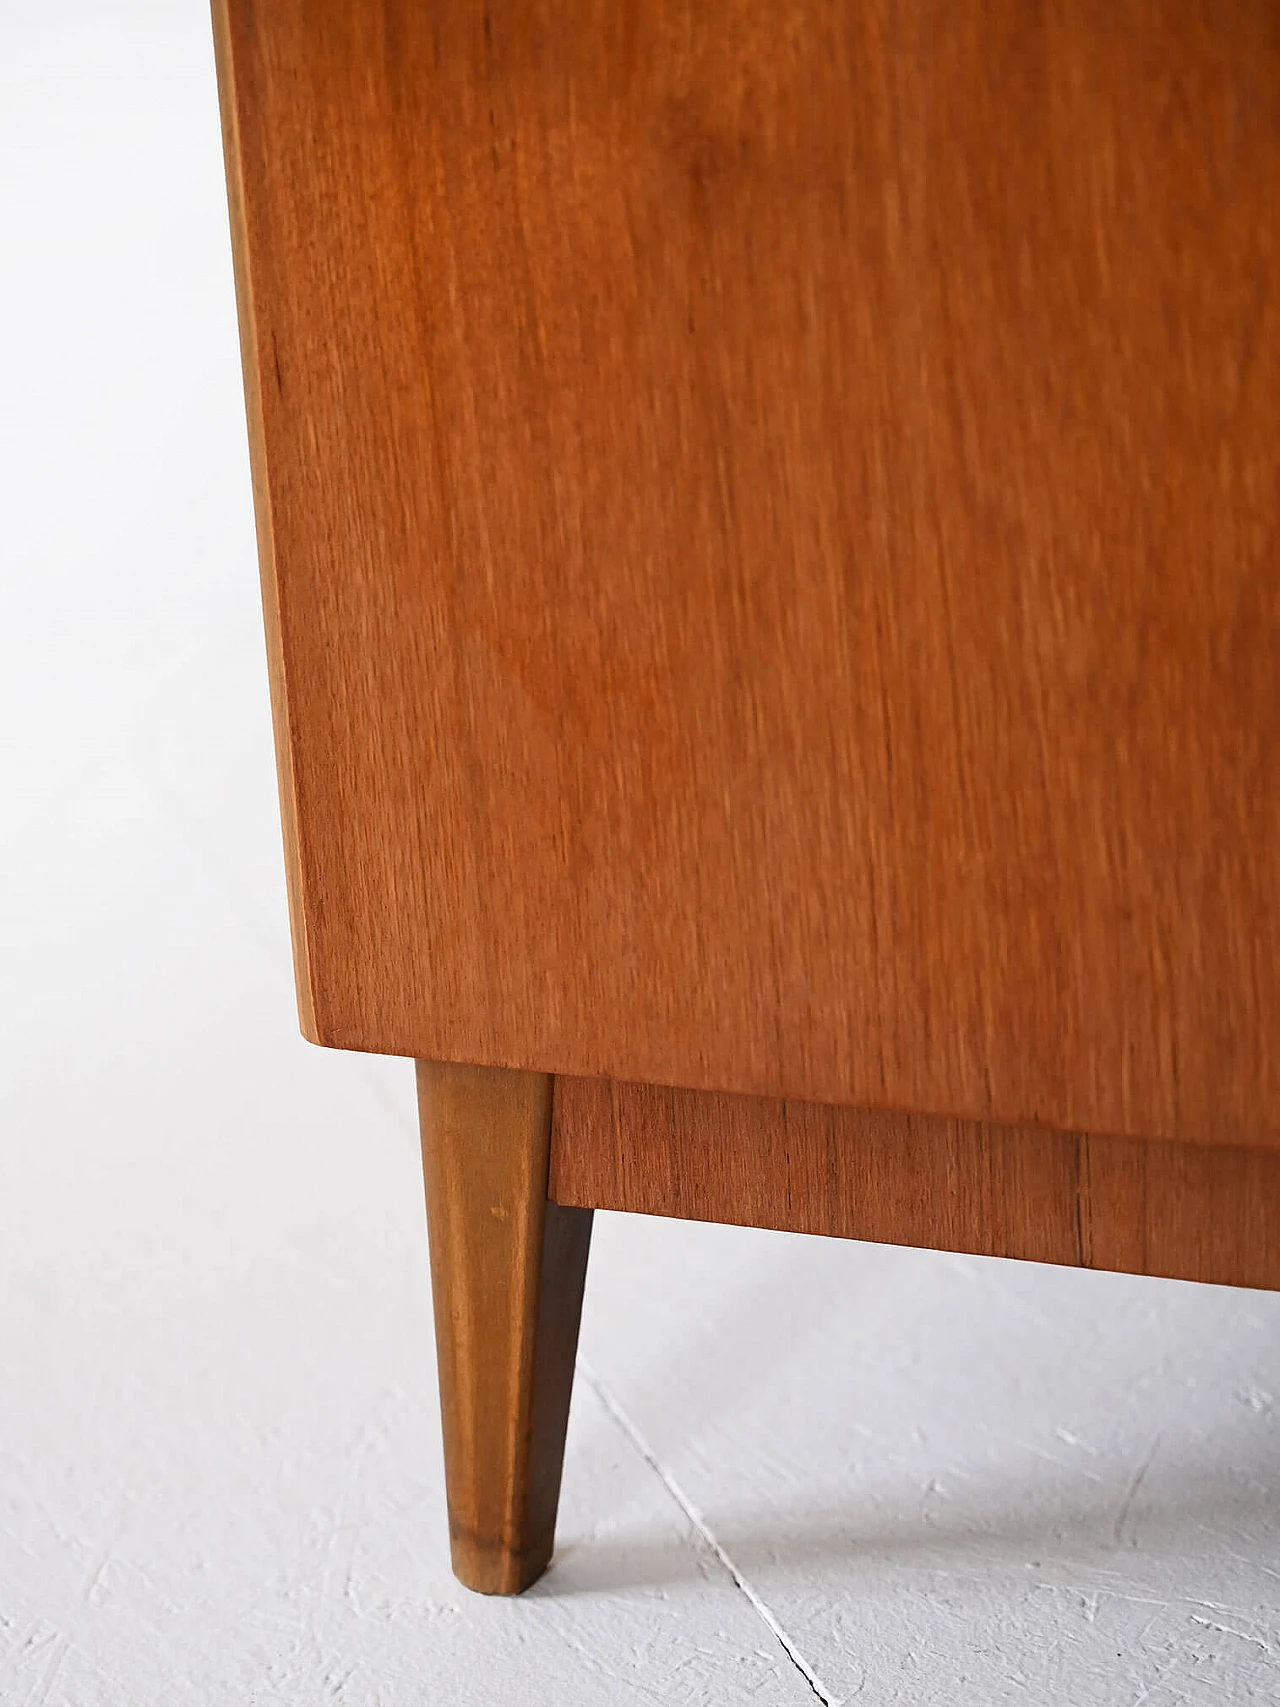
[770,531]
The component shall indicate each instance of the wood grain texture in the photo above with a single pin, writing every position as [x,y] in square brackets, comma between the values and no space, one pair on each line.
[507,1274]
[1188,1211]
[770,521]
[249,347]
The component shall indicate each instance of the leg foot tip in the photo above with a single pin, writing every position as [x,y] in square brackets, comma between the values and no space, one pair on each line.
[495,1569]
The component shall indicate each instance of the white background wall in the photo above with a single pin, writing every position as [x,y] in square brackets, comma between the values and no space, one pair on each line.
[942,1479]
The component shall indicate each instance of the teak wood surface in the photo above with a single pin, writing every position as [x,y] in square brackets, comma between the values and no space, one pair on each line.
[1142,1206]
[507,1272]
[769,520]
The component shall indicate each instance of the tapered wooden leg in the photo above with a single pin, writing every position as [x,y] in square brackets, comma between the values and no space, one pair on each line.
[507,1273]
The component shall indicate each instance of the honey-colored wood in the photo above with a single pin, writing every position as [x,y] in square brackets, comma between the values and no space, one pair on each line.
[1189,1211]
[285,778]
[507,1273]
[788,500]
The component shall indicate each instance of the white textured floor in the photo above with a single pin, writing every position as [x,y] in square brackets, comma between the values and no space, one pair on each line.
[795,1467]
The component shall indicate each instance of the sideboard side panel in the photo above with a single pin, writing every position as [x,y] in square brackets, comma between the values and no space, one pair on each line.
[771,521]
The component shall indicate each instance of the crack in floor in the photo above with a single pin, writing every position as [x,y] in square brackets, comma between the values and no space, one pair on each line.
[695,1517]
